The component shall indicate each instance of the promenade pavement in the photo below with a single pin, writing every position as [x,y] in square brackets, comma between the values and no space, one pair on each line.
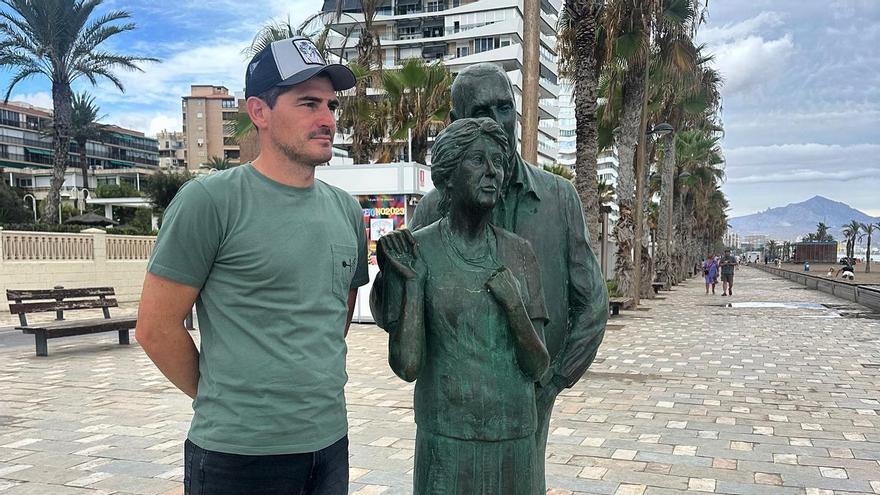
[686,396]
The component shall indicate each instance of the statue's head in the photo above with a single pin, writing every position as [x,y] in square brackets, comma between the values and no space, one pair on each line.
[483,90]
[467,163]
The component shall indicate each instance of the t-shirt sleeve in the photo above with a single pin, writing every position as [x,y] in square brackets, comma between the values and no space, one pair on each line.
[189,238]
[361,274]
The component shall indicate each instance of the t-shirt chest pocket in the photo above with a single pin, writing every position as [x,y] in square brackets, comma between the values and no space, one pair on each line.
[344,258]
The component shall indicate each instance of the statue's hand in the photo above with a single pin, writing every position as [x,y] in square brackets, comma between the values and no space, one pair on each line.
[398,251]
[503,287]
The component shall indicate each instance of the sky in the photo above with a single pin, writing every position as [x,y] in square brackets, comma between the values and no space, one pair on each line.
[801,100]
[801,95]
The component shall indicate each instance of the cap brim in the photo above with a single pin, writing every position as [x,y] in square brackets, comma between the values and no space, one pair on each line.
[340,76]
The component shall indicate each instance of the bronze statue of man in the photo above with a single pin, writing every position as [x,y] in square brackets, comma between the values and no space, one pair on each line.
[467,325]
[544,209]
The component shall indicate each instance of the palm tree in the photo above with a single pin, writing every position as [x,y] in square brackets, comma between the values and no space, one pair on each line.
[560,170]
[218,163]
[581,60]
[634,30]
[419,100]
[772,246]
[869,233]
[822,232]
[360,114]
[56,38]
[852,232]
[605,192]
[84,127]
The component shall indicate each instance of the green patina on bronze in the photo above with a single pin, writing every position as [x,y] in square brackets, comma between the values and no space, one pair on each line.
[455,360]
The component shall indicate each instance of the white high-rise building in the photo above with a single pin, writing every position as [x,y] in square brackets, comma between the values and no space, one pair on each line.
[461,33]
[608,164]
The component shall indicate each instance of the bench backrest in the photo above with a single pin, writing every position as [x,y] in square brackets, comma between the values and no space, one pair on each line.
[45,300]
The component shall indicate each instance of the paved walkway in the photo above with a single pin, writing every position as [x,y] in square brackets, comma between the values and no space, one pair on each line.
[687,395]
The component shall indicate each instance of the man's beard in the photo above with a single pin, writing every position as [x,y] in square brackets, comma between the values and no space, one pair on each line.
[296,156]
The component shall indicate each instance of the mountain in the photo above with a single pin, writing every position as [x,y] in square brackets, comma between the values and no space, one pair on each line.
[788,222]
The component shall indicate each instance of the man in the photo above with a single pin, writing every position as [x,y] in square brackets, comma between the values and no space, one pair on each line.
[545,210]
[272,258]
[728,264]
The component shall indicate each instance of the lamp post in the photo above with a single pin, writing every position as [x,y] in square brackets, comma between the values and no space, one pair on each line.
[660,130]
[34,199]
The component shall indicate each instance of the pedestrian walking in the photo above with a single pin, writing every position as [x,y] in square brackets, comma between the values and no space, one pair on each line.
[710,273]
[728,265]
[272,259]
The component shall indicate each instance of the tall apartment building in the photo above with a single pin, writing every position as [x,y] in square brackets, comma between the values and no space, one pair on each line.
[26,153]
[607,162]
[460,33]
[208,125]
[172,149]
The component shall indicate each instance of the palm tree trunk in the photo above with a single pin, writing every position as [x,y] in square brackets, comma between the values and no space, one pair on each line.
[586,14]
[664,251]
[868,253]
[630,123]
[61,102]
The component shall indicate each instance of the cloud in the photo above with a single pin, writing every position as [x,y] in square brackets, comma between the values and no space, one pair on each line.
[41,99]
[739,30]
[148,122]
[752,62]
[809,162]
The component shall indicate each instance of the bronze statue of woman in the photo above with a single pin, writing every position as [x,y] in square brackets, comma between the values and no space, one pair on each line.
[470,313]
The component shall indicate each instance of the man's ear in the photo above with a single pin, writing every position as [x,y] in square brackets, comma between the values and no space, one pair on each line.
[257,110]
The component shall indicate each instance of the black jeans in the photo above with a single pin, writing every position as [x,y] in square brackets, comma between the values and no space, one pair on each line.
[324,472]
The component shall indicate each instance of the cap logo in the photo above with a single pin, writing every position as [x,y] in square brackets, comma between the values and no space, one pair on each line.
[309,52]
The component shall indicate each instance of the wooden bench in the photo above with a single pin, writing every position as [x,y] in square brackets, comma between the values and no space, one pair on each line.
[23,302]
[615,303]
[657,286]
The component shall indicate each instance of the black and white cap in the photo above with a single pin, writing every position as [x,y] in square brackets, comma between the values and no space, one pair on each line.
[289,62]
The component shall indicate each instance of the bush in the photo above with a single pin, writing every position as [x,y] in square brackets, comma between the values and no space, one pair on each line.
[43,227]
[75,229]
[12,208]
[612,288]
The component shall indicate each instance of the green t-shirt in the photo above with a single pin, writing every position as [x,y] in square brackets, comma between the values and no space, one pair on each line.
[274,265]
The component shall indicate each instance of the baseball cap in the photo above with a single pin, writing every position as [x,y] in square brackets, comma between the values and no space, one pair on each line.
[289,62]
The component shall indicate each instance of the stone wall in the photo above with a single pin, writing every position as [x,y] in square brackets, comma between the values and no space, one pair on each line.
[42,260]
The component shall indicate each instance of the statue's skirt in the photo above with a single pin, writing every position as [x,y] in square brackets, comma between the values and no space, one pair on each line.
[452,466]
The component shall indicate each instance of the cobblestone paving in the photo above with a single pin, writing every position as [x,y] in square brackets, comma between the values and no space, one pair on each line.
[686,396]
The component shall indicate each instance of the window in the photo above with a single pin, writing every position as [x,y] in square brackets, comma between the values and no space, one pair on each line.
[19,182]
[229,115]
[461,51]
[229,104]
[485,44]
[199,115]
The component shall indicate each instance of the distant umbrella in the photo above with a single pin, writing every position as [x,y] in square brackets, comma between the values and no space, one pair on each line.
[91,219]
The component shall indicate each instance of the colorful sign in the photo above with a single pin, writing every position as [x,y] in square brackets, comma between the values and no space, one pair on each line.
[383,213]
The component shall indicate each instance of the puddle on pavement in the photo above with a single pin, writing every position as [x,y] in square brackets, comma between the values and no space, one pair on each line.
[776,305]
[830,310]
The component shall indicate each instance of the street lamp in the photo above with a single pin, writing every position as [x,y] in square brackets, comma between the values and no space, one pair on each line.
[661,130]
[35,204]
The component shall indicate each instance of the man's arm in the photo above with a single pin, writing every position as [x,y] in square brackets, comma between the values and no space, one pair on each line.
[160,331]
[587,296]
[352,299]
